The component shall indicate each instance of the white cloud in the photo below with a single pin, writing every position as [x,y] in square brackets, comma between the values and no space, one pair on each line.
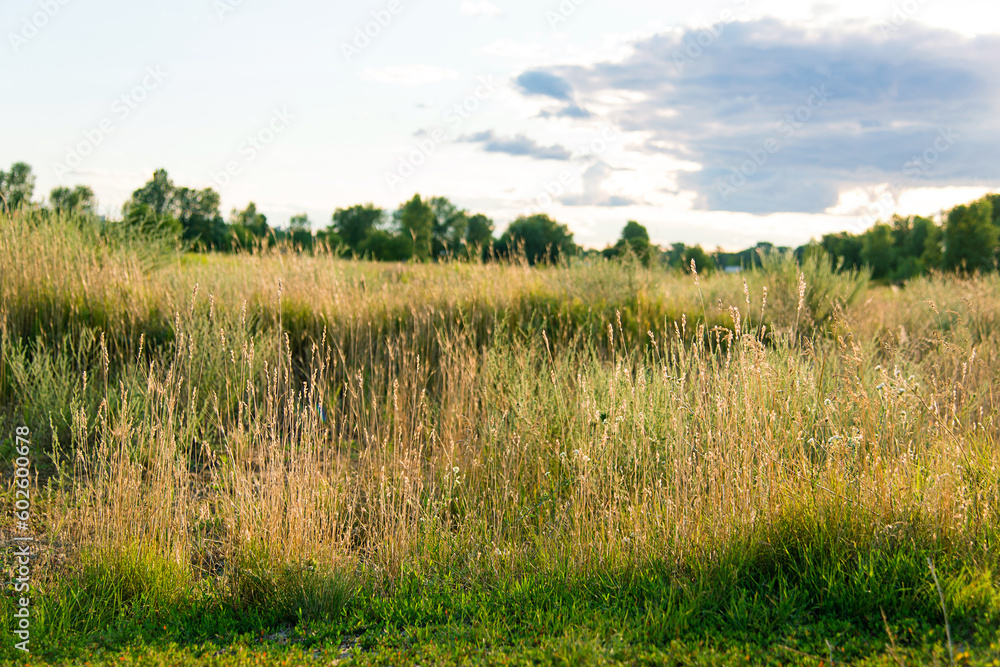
[928,201]
[858,201]
[408,75]
[881,202]
[478,8]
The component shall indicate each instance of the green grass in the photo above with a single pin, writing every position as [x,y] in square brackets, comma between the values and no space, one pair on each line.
[279,457]
[768,603]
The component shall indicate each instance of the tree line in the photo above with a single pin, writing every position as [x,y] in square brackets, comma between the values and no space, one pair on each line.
[422,229]
[967,240]
[434,228]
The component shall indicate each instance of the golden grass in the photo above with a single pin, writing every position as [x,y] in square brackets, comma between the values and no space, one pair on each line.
[491,418]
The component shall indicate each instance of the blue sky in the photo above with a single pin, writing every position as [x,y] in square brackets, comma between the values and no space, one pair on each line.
[746,120]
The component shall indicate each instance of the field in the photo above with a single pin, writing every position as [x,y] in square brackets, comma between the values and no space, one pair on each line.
[282,458]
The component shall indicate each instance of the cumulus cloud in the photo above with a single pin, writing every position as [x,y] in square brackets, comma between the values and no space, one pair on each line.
[518,145]
[569,111]
[594,194]
[784,118]
[543,83]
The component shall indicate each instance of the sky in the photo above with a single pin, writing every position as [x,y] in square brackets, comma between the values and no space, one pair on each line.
[723,123]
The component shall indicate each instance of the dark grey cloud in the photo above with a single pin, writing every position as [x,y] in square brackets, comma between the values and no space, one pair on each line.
[519,145]
[574,111]
[782,118]
[477,137]
[569,111]
[540,82]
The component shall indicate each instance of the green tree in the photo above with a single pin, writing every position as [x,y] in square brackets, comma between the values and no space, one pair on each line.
[78,200]
[932,256]
[635,233]
[844,249]
[301,230]
[17,186]
[387,247]
[910,239]
[702,260]
[479,231]
[674,256]
[539,237]
[970,237]
[994,200]
[241,238]
[416,217]
[142,217]
[877,250]
[153,207]
[353,224]
[201,223]
[250,220]
[331,240]
[635,240]
[190,214]
[450,224]
[157,195]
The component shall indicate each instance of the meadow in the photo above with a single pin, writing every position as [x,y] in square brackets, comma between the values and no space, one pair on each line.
[278,457]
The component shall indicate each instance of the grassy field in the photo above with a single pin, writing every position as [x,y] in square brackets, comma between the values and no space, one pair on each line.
[278,458]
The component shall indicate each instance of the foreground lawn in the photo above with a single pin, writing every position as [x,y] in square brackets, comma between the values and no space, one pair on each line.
[884,611]
[485,641]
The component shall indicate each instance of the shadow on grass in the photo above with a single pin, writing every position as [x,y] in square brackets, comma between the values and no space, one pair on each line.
[815,585]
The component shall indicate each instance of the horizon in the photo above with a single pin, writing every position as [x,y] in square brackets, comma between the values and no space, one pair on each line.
[747,122]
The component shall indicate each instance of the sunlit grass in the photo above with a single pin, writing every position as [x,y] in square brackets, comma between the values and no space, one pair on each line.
[282,438]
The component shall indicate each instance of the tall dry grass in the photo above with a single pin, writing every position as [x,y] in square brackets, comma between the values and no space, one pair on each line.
[233,414]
